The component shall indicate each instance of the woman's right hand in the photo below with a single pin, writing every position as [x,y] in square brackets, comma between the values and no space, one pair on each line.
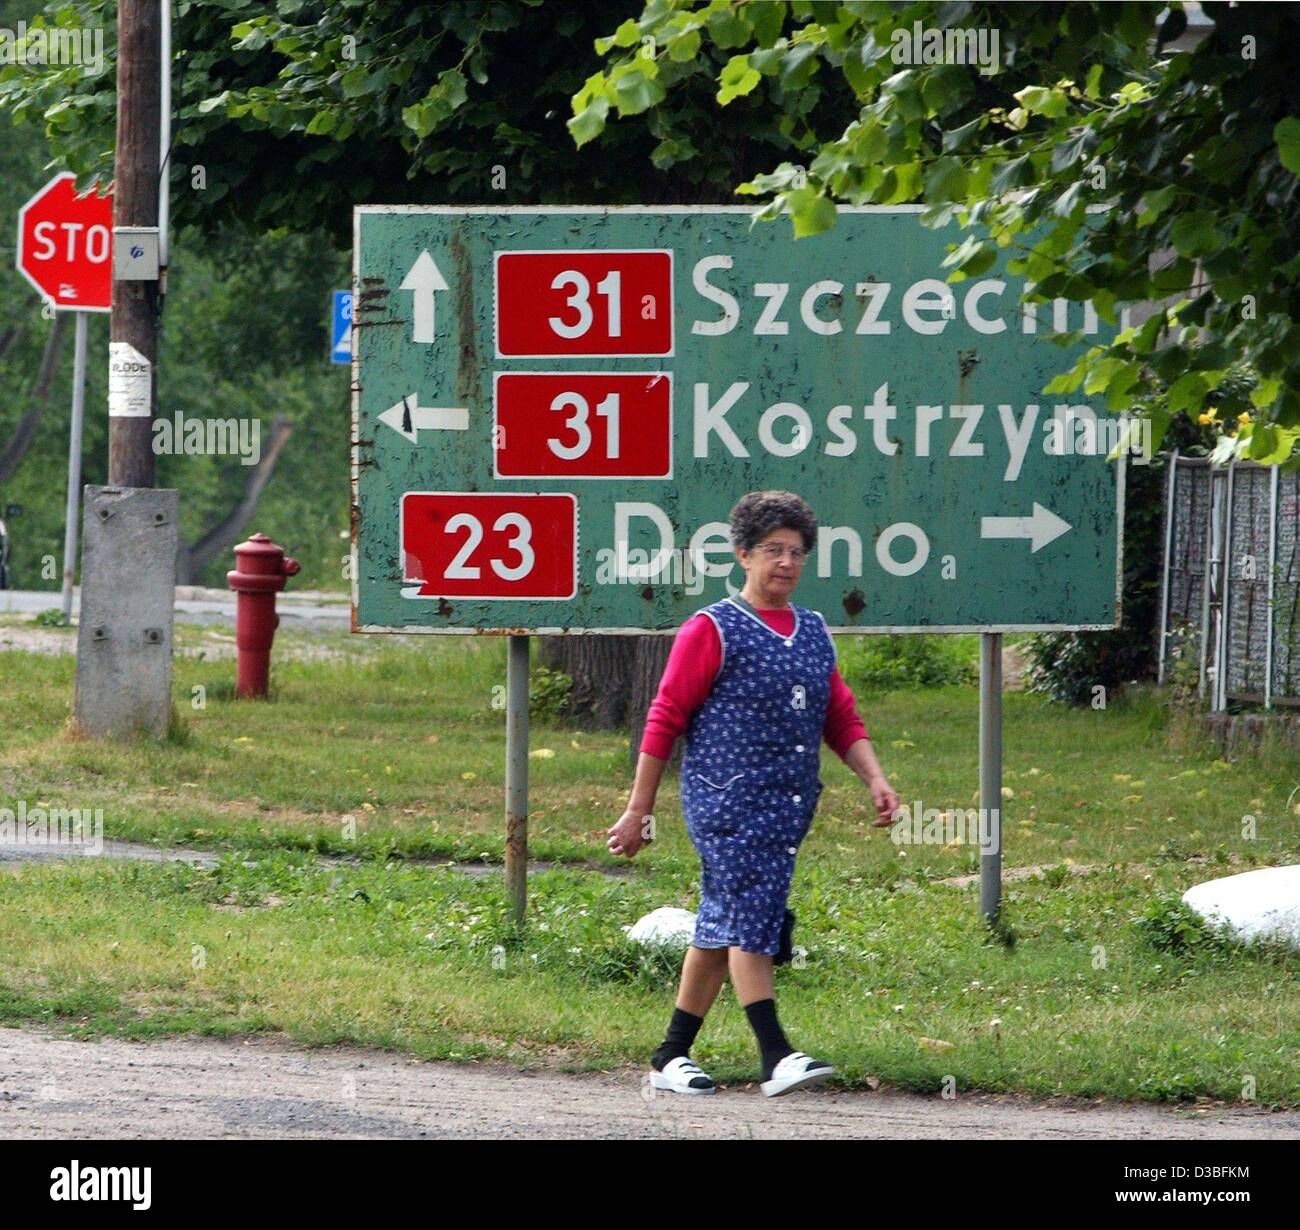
[633,829]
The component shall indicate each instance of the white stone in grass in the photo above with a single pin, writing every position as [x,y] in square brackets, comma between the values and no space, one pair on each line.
[666,927]
[1263,903]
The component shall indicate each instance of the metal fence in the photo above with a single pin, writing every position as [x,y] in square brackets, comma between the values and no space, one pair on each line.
[1231,584]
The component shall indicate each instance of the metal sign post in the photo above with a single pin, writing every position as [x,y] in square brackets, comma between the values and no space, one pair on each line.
[74,465]
[991,773]
[517,774]
[65,244]
[554,409]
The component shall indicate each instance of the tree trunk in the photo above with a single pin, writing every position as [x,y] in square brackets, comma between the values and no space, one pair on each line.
[7,340]
[190,561]
[15,448]
[601,669]
[614,680]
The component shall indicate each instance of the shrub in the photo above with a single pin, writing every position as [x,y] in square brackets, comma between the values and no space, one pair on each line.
[883,663]
[1169,925]
[548,693]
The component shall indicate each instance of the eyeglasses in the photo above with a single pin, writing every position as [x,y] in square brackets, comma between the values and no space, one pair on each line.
[774,551]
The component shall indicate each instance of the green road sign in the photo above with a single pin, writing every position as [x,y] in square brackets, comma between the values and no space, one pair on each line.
[554,411]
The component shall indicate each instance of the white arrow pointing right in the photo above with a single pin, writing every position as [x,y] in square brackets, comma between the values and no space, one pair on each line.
[1041,528]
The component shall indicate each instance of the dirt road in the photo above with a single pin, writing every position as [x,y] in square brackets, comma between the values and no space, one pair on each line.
[55,1088]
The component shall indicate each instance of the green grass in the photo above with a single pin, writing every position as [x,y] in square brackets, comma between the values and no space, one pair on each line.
[1092,997]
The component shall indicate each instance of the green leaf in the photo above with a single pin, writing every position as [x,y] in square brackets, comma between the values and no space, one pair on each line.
[1195,234]
[588,123]
[1187,392]
[737,78]
[1145,339]
[671,151]
[1092,86]
[1039,100]
[211,104]
[728,28]
[1265,392]
[1099,375]
[810,211]
[1068,381]
[1270,444]
[1013,173]
[945,88]
[1155,203]
[251,37]
[798,65]
[901,183]
[1067,153]
[960,138]
[635,92]
[945,180]
[767,19]
[1287,135]
[354,81]
[625,36]
[1175,276]
[684,46]
[322,123]
[417,118]
[452,83]
[1118,390]
[1065,204]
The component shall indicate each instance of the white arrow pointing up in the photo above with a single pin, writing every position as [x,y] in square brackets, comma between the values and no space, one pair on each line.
[1041,528]
[406,418]
[423,278]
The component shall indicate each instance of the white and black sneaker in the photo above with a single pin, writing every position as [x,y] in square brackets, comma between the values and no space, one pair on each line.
[682,1075]
[794,1072]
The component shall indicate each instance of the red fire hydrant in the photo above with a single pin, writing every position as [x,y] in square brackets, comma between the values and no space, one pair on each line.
[260,573]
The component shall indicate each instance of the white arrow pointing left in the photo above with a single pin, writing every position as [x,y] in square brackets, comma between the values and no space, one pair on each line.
[407,418]
[1041,528]
[423,278]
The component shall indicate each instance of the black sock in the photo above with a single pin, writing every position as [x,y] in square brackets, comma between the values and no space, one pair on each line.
[772,1043]
[679,1038]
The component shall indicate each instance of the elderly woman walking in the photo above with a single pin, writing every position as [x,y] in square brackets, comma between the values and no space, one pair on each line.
[752,682]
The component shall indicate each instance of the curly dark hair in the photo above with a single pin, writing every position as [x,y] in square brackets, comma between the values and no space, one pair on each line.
[758,513]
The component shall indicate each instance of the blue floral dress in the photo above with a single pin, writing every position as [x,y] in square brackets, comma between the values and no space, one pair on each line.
[749,783]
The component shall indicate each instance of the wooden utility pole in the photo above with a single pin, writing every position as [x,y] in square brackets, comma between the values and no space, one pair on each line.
[135,203]
[129,532]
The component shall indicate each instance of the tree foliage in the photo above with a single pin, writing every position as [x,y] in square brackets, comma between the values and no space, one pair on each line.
[1192,156]
[288,115]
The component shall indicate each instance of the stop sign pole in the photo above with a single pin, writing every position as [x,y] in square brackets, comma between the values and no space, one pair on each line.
[64,249]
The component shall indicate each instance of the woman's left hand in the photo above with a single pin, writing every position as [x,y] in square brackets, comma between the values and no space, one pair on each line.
[886,801]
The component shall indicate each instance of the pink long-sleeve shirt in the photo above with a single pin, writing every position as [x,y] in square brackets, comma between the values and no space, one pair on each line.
[688,675]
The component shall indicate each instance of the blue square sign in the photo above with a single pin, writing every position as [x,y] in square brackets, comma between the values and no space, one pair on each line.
[341,328]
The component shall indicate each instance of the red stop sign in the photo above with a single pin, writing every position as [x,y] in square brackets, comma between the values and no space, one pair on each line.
[65,244]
